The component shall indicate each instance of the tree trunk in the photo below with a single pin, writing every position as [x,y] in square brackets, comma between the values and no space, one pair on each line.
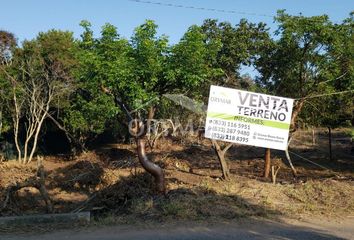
[29,134]
[24,159]
[313,137]
[274,174]
[266,163]
[290,163]
[289,159]
[0,122]
[35,140]
[224,166]
[149,123]
[76,146]
[18,148]
[16,122]
[150,119]
[221,157]
[150,167]
[151,112]
[297,109]
[330,142]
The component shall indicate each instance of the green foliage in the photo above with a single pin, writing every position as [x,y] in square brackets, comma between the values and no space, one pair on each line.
[190,60]
[37,80]
[46,62]
[138,71]
[238,46]
[306,59]
[5,98]
[308,56]
[149,57]
[299,61]
[86,118]
[7,45]
[103,62]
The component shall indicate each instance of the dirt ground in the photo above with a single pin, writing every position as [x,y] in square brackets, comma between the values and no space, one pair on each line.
[109,182]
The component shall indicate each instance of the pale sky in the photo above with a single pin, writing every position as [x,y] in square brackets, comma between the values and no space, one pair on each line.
[25,18]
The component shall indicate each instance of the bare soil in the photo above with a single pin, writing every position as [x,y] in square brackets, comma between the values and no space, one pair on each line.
[109,182]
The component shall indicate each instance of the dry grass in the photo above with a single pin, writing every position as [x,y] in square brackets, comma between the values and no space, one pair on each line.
[214,200]
[123,193]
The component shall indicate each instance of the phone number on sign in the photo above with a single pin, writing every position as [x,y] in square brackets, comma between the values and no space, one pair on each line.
[230,124]
[230,137]
[229,130]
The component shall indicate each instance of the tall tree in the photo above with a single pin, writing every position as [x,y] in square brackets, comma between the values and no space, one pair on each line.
[236,47]
[299,62]
[7,45]
[109,68]
[137,73]
[239,46]
[40,76]
[102,62]
[296,63]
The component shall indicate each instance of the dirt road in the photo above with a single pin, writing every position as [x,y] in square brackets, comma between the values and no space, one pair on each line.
[288,229]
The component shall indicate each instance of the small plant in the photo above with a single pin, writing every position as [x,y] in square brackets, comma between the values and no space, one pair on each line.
[351,133]
[142,206]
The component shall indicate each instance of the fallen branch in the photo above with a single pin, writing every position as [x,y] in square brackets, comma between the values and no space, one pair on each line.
[83,205]
[37,182]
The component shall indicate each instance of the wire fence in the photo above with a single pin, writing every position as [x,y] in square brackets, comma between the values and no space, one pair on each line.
[313,147]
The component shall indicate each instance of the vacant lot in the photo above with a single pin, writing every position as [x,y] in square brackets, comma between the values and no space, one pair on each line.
[109,182]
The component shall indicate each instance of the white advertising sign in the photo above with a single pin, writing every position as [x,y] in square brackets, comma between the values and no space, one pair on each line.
[248,118]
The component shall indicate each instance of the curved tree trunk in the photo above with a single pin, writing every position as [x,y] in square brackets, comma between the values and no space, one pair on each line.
[150,167]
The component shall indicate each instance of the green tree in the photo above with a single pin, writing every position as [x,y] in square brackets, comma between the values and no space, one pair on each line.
[7,45]
[301,62]
[239,47]
[40,79]
[102,62]
[296,64]
[135,74]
